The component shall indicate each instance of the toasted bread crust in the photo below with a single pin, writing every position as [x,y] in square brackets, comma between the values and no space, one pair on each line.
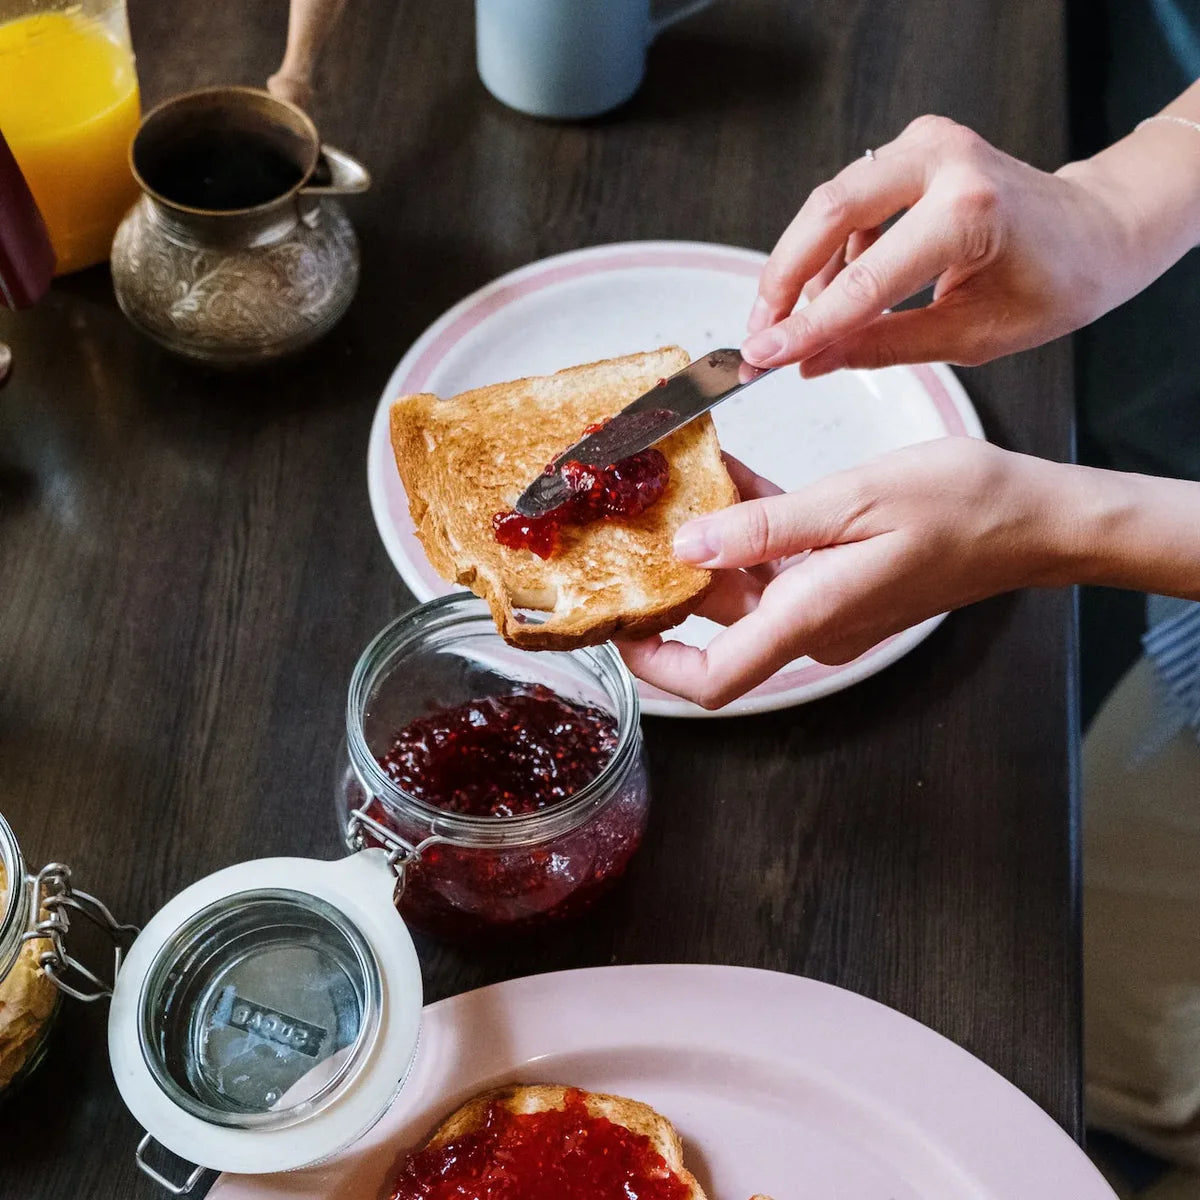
[538,637]
[526,1098]
[462,460]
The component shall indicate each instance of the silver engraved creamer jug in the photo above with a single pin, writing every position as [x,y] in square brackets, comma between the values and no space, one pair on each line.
[237,251]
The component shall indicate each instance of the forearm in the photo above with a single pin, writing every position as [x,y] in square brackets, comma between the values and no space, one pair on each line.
[1123,530]
[1152,178]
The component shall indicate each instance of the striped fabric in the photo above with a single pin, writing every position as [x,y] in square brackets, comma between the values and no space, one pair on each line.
[1172,644]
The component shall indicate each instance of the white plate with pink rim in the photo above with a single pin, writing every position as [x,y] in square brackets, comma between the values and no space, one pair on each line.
[777,1084]
[618,299]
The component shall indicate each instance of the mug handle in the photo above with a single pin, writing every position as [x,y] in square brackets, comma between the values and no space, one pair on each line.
[666,14]
[337,174]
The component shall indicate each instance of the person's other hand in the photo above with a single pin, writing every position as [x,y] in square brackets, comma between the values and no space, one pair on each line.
[833,569]
[1017,257]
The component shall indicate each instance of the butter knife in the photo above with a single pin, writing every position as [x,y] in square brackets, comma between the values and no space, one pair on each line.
[669,406]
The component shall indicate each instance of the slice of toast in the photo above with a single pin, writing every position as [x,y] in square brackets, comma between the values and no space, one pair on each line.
[464,459]
[530,1098]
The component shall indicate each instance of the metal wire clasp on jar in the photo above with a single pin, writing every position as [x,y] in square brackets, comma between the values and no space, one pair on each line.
[36,968]
[461,875]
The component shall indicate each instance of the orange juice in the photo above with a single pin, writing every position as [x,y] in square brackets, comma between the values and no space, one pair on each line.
[69,107]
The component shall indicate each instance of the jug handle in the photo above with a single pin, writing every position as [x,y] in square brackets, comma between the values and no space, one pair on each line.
[336,174]
[309,24]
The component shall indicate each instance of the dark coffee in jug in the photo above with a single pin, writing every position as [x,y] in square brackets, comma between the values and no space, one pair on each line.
[220,170]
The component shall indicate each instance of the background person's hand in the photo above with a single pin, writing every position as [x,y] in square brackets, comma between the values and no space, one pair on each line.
[1017,256]
[835,568]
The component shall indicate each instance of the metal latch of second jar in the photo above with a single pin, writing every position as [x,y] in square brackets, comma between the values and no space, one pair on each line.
[54,894]
[234,957]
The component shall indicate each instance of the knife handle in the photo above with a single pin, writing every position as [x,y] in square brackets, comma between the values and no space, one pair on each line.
[309,24]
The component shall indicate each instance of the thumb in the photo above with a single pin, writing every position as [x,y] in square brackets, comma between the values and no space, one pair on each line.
[759,531]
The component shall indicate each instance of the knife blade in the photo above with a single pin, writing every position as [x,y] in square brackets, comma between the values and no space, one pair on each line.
[700,386]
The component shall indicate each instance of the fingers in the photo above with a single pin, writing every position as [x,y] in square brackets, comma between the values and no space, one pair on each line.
[862,196]
[860,240]
[919,247]
[736,660]
[834,607]
[827,274]
[856,243]
[940,332]
[750,485]
[775,527]
[733,595]
[942,177]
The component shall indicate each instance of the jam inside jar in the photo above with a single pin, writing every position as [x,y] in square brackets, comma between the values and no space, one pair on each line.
[518,779]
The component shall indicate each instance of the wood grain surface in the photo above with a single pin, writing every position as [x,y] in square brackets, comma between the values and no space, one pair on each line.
[189,568]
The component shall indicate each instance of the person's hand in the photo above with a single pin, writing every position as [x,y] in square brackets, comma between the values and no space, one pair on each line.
[1017,256]
[833,569]
[310,23]
[295,89]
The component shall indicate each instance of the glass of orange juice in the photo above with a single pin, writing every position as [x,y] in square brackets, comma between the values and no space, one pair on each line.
[69,107]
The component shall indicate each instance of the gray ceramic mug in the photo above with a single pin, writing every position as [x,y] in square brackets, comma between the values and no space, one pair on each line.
[569,59]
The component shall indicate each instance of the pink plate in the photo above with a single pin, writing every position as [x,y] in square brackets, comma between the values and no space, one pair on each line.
[609,300]
[777,1084]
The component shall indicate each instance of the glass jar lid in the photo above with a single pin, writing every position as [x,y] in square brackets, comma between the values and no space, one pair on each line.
[267,1016]
[258,1007]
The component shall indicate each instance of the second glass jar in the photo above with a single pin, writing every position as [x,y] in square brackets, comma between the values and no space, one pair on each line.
[28,997]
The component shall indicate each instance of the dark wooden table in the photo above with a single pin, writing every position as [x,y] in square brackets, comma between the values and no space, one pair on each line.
[188,565]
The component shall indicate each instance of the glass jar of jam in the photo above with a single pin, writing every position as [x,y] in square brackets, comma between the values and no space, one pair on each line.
[509,787]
